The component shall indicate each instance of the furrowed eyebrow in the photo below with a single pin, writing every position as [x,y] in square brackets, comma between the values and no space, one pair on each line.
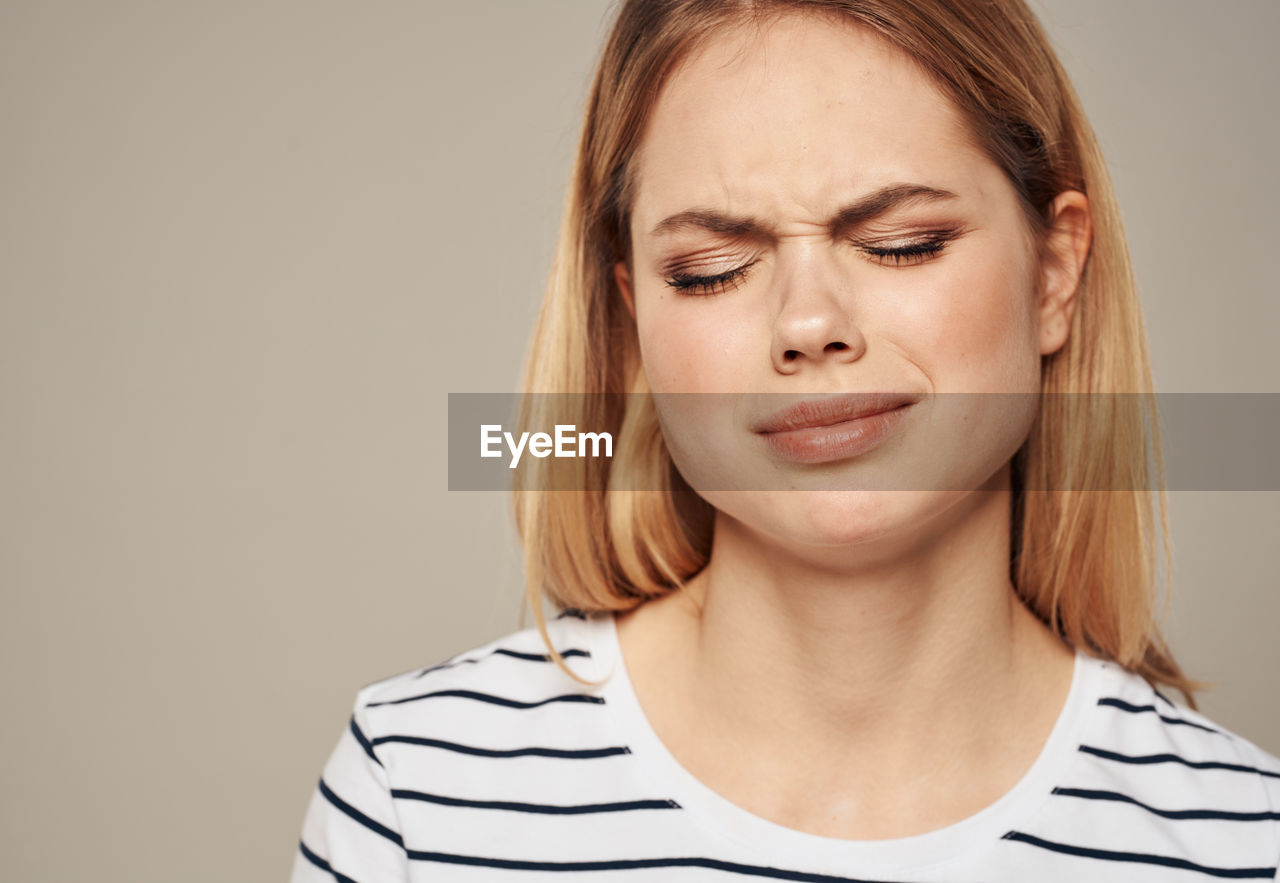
[865,209]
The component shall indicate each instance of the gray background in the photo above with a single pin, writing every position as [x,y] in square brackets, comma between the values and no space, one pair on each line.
[245,251]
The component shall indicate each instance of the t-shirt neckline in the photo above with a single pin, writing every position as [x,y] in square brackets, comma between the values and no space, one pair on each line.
[968,837]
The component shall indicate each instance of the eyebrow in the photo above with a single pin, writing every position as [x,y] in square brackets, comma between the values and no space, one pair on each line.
[864,209]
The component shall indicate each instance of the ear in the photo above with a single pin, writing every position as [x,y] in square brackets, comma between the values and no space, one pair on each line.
[1067,244]
[622,278]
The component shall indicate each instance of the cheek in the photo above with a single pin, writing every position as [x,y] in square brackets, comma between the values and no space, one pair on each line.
[696,343]
[974,330]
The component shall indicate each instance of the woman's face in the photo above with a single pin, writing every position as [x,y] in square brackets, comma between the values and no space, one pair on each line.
[810,218]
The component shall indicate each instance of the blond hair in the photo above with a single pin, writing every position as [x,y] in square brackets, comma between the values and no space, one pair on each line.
[1083,560]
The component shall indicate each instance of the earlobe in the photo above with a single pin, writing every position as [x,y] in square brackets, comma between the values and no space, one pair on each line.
[622,278]
[1068,242]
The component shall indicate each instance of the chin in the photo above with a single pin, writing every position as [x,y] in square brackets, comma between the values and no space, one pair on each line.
[830,519]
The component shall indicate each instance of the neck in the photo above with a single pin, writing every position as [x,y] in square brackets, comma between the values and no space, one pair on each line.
[886,655]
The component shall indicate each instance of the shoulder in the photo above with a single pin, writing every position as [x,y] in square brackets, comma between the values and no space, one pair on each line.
[1137,717]
[1145,757]
[514,672]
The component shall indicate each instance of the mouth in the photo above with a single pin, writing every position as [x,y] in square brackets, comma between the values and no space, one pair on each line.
[835,428]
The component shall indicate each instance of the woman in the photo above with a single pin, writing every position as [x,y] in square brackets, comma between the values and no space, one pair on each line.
[875,602]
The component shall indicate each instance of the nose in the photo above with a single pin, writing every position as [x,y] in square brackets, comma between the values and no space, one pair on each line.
[814,327]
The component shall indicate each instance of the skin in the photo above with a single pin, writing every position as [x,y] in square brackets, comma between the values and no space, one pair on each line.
[851,663]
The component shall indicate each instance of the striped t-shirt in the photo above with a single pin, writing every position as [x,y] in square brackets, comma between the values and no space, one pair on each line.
[496,766]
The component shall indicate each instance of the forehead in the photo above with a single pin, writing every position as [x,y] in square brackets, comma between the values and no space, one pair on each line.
[793,117]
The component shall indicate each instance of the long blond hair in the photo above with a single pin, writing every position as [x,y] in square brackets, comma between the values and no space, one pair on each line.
[1083,560]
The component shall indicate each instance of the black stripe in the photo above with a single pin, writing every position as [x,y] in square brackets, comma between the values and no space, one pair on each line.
[1142,858]
[1160,695]
[1170,813]
[515,654]
[322,864]
[364,743]
[539,657]
[1173,758]
[631,864]
[1139,709]
[580,809]
[360,817]
[506,752]
[496,700]
[572,611]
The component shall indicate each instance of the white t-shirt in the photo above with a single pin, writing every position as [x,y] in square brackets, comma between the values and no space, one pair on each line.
[496,766]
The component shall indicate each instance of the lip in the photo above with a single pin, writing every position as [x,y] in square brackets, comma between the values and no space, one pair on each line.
[835,428]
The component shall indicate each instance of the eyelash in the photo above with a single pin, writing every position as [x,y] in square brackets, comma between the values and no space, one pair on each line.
[708,284]
[914,253]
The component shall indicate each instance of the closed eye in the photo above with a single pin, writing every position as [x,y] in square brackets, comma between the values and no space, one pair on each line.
[908,252]
[911,253]
[703,285]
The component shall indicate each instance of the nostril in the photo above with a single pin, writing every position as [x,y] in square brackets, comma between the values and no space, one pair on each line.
[837,346]
[791,355]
